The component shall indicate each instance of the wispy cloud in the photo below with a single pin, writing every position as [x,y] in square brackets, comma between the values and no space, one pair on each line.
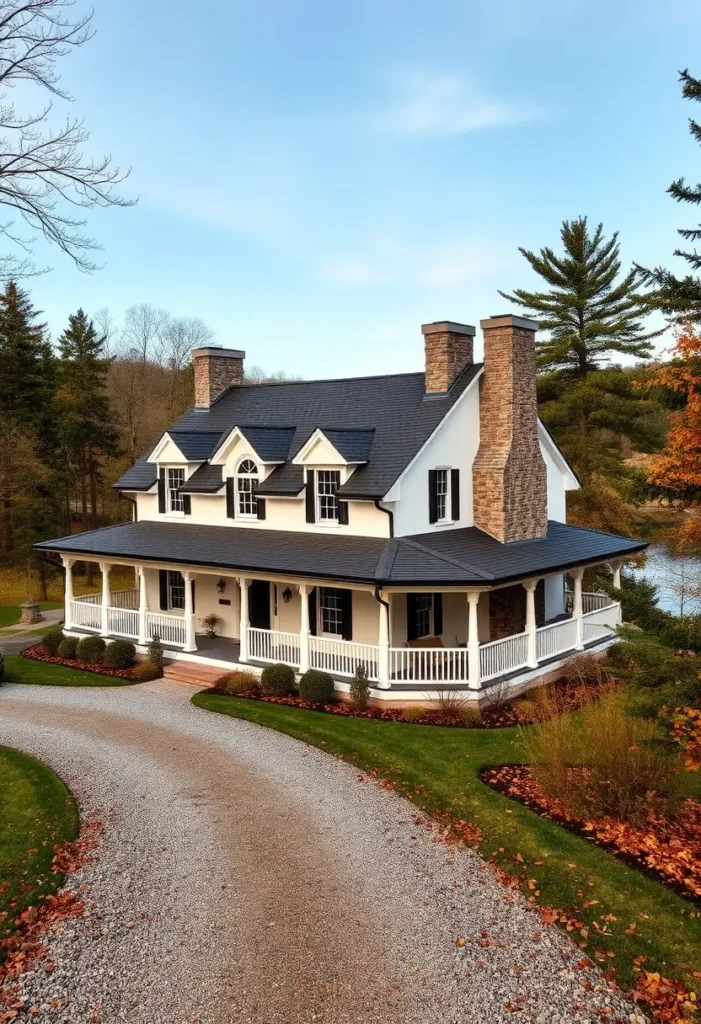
[449,104]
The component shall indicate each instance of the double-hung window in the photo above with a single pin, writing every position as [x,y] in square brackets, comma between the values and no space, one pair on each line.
[176,500]
[327,483]
[176,590]
[246,487]
[443,495]
[331,611]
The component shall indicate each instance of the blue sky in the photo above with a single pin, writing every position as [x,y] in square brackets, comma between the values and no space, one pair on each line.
[316,179]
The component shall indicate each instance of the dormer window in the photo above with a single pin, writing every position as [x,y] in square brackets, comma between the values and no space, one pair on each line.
[443,495]
[176,500]
[246,487]
[327,483]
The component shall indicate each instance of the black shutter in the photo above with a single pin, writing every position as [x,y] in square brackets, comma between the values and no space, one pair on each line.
[163,588]
[432,497]
[437,614]
[312,611]
[260,506]
[455,494]
[162,491]
[411,630]
[192,590]
[187,505]
[347,612]
[310,497]
[343,513]
[230,507]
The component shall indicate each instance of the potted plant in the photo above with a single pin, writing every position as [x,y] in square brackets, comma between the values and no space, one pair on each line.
[211,623]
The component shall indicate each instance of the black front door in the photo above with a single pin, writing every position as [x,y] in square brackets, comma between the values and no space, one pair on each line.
[259,604]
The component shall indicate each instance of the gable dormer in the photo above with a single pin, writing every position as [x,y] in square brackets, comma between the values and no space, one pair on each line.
[329,457]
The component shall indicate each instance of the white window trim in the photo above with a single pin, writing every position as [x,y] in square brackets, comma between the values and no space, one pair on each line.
[174,513]
[238,514]
[319,617]
[171,607]
[448,518]
[333,523]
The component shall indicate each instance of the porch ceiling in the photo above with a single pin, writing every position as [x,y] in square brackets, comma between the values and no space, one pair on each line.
[454,557]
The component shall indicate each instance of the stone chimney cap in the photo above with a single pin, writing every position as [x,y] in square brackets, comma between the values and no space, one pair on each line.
[219,352]
[447,327]
[507,320]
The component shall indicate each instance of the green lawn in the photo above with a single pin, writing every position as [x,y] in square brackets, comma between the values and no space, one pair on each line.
[36,812]
[439,769]
[38,673]
[10,613]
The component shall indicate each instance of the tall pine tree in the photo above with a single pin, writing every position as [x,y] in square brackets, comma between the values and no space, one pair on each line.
[25,359]
[591,311]
[680,297]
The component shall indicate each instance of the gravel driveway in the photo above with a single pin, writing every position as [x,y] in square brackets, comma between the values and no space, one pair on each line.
[247,877]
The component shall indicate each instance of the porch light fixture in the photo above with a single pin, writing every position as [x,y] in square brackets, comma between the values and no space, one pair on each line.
[221,585]
[286,595]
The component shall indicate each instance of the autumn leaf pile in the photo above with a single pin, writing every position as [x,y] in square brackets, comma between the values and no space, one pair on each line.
[685,729]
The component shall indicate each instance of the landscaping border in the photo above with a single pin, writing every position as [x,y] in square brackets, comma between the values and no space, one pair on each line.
[37,653]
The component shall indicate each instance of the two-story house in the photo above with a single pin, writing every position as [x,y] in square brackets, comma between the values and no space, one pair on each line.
[413,522]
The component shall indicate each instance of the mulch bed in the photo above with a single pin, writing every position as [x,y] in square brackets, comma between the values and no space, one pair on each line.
[570,696]
[39,653]
[668,849]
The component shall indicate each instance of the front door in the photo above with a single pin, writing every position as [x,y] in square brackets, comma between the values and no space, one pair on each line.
[259,604]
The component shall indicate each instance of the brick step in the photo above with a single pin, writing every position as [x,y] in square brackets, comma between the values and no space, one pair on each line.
[191,672]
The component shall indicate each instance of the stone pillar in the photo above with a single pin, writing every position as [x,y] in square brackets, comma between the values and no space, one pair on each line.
[68,564]
[30,613]
[532,655]
[577,607]
[143,607]
[383,680]
[473,642]
[304,632]
[105,570]
[190,644]
[244,584]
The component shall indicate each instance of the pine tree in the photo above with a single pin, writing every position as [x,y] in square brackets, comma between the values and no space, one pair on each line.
[680,297]
[25,360]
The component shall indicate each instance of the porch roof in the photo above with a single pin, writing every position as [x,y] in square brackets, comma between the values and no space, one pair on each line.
[453,557]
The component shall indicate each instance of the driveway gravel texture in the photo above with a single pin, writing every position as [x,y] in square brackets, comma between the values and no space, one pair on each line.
[246,877]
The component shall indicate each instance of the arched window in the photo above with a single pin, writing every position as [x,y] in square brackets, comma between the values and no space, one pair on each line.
[246,487]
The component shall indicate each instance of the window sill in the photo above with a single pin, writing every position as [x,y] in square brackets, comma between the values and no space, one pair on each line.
[328,524]
[445,522]
[174,514]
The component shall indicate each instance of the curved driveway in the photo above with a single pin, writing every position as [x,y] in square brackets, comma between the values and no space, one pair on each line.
[247,877]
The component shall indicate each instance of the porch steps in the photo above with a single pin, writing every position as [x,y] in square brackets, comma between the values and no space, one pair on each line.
[192,673]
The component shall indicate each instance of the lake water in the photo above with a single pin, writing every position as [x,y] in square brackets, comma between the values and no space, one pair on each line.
[678,578]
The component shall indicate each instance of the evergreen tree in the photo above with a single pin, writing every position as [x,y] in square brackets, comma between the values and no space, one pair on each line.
[25,360]
[590,312]
[680,297]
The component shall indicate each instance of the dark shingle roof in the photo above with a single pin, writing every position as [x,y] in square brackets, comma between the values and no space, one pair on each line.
[271,444]
[196,445]
[452,558]
[206,479]
[353,445]
[395,407]
[284,480]
[139,477]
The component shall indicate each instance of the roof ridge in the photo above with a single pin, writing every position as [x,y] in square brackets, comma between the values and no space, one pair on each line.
[385,563]
[446,558]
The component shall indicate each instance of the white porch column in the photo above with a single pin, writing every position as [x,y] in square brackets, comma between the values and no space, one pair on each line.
[105,570]
[244,584]
[383,680]
[473,642]
[143,606]
[68,609]
[616,566]
[189,615]
[303,627]
[532,654]
[577,607]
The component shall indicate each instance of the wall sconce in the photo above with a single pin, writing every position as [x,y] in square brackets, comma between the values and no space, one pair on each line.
[221,585]
[286,595]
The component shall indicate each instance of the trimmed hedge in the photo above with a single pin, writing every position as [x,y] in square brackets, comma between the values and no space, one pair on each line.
[120,654]
[67,648]
[278,680]
[51,641]
[91,650]
[316,687]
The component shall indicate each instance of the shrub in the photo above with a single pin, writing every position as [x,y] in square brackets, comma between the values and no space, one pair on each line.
[585,670]
[91,649]
[155,652]
[68,647]
[316,687]
[278,680]
[239,682]
[360,688]
[51,640]
[413,714]
[211,623]
[498,695]
[120,654]
[526,710]
[144,671]
[471,716]
[449,706]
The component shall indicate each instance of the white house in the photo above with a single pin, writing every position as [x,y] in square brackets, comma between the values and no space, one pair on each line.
[414,523]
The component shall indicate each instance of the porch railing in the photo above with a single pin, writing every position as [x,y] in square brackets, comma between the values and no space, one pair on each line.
[428,664]
[556,638]
[170,629]
[273,645]
[601,623]
[342,657]
[123,621]
[86,613]
[503,656]
[592,602]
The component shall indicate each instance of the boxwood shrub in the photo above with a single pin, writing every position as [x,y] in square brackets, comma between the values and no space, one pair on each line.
[278,680]
[316,687]
[91,649]
[51,640]
[120,654]
[68,647]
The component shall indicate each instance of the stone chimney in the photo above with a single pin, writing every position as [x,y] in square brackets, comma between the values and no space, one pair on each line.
[215,370]
[448,348]
[509,481]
